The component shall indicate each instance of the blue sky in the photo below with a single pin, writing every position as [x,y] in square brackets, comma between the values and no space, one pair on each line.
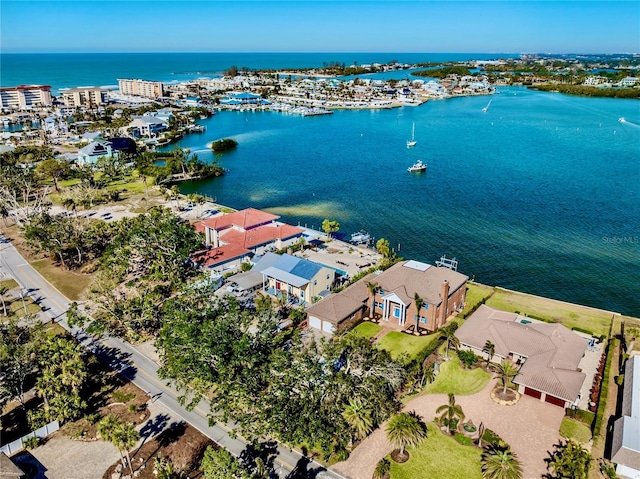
[320,26]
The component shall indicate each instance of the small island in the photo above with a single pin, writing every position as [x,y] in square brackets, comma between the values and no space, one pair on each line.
[223,145]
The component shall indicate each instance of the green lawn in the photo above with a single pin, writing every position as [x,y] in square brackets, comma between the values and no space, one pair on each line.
[70,284]
[453,379]
[9,284]
[475,293]
[439,455]
[572,429]
[398,343]
[366,329]
[567,314]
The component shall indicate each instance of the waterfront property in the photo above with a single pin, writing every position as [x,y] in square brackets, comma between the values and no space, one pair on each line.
[625,448]
[441,290]
[244,98]
[298,280]
[143,88]
[147,126]
[85,97]
[237,236]
[339,311]
[25,96]
[548,354]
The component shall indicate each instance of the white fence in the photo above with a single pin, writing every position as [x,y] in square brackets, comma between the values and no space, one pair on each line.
[17,445]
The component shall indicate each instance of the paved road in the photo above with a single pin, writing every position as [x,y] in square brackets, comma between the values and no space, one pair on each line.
[142,371]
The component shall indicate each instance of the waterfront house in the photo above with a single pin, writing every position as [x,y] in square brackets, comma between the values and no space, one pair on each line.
[90,154]
[548,354]
[441,289]
[339,311]
[235,237]
[625,444]
[298,280]
[147,126]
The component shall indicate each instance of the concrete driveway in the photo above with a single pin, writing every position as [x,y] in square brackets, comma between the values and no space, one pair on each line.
[530,427]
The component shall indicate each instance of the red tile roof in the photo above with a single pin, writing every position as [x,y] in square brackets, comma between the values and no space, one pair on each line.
[245,219]
[260,235]
[222,254]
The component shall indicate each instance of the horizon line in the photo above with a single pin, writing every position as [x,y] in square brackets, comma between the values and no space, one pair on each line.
[315,52]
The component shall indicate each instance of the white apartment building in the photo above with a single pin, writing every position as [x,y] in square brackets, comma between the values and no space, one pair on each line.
[25,96]
[144,88]
[84,96]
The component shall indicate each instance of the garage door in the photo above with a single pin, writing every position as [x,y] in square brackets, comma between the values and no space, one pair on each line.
[315,322]
[554,400]
[532,393]
[328,327]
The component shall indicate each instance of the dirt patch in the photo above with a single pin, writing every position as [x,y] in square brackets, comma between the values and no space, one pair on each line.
[399,458]
[117,398]
[182,444]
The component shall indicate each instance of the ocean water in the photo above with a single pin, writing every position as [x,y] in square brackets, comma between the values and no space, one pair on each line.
[66,70]
[539,194]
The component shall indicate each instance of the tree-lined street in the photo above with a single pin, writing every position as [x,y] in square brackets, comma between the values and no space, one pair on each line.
[141,370]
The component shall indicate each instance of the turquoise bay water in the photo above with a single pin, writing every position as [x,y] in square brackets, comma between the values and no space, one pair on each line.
[540,193]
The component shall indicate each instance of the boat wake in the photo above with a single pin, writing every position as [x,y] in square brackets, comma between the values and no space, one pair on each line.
[627,122]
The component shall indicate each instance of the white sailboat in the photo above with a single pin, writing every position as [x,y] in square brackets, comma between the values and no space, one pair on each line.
[412,141]
[487,107]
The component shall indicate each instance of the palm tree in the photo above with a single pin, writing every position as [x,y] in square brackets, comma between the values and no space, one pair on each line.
[428,374]
[372,287]
[405,429]
[570,460]
[419,302]
[107,428]
[359,417]
[506,371]
[125,437]
[490,349]
[448,333]
[500,463]
[382,469]
[450,412]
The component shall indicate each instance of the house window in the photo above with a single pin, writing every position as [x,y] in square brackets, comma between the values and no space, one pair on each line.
[379,305]
[315,283]
[327,276]
[423,319]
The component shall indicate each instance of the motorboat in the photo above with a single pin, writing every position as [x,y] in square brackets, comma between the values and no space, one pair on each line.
[417,166]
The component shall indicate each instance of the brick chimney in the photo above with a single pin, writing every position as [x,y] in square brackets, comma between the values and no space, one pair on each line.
[444,307]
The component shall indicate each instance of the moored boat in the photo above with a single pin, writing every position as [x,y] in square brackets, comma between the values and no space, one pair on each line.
[417,167]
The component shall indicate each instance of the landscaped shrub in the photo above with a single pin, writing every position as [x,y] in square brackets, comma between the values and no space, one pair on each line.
[605,390]
[582,330]
[93,417]
[585,417]
[120,396]
[492,438]
[462,439]
[467,358]
[31,442]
